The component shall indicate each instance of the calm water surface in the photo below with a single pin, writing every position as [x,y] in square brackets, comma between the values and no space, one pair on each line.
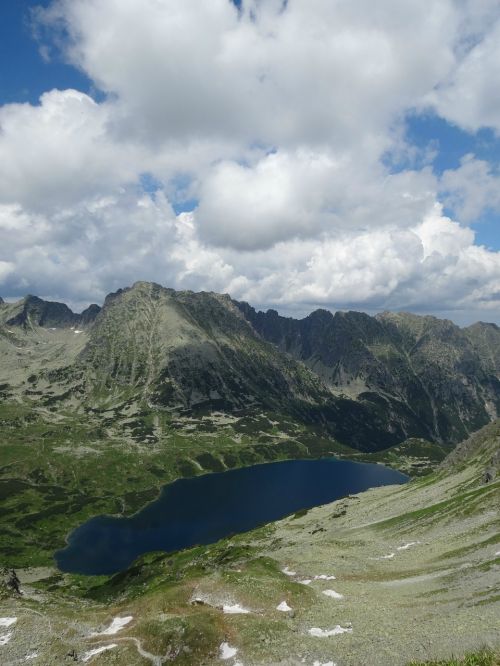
[203,509]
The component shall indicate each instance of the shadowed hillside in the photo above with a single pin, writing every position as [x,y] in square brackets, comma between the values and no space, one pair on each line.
[436,380]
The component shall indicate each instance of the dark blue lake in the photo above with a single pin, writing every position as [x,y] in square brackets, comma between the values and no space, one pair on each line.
[203,509]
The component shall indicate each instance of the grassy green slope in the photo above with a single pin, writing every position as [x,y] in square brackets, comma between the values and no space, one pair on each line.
[59,468]
[417,567]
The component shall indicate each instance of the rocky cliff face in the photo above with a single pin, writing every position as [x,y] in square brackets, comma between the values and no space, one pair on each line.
[32,311]
[190,350]
[196,351]
[433,378]
[485,339]
[370,382]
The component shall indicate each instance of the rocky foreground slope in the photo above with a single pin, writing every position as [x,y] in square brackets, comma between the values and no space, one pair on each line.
[391,575]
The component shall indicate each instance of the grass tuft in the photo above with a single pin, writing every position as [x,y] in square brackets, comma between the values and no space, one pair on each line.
[482,658]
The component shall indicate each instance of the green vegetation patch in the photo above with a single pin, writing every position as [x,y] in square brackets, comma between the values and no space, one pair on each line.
[461,505]
[482,658]
[60,468]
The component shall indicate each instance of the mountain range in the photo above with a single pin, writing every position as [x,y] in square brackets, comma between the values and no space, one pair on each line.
[99,410]
[369,382]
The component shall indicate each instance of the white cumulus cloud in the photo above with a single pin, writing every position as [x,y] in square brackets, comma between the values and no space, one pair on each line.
[273,123]
[471,189]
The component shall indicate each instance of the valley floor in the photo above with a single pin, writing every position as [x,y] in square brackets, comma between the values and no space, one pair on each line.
[389,576]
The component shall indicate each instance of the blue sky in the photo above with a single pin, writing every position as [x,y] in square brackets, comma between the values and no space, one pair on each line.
[28,75]
[346,167]
[24,75]
[452,143]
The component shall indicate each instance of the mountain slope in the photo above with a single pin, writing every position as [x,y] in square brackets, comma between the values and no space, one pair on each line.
[32,311]
[369,382]
[182,352]
[485,338]
[388,576]
[439,381]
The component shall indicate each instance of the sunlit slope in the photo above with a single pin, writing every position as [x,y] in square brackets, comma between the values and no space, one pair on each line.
[38,340]
[384,577]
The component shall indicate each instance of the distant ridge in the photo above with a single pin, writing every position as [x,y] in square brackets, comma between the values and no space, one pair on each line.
[371,382]
[34,311]
[425,370]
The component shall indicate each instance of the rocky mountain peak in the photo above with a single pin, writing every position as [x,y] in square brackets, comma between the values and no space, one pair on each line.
[437,379]
[33,311]
[401,374]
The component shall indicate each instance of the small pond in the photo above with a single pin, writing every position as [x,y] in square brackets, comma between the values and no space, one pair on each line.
[203,509]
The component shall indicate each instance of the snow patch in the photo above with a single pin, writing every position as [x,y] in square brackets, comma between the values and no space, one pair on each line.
[497,553]
[283,606]
[76,332]
[383,557]
[234,609]
[324,577]
[116,625]
[408,545]
[305,581]
[227,651]
[31,655]
[289,572]
[87,656]
[6,622]
[333,594]
[326,663]
[325,633]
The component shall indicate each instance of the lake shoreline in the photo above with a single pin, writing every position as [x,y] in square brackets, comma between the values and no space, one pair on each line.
[209,514]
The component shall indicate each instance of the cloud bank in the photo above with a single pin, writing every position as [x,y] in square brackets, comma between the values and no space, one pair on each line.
[274,126]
